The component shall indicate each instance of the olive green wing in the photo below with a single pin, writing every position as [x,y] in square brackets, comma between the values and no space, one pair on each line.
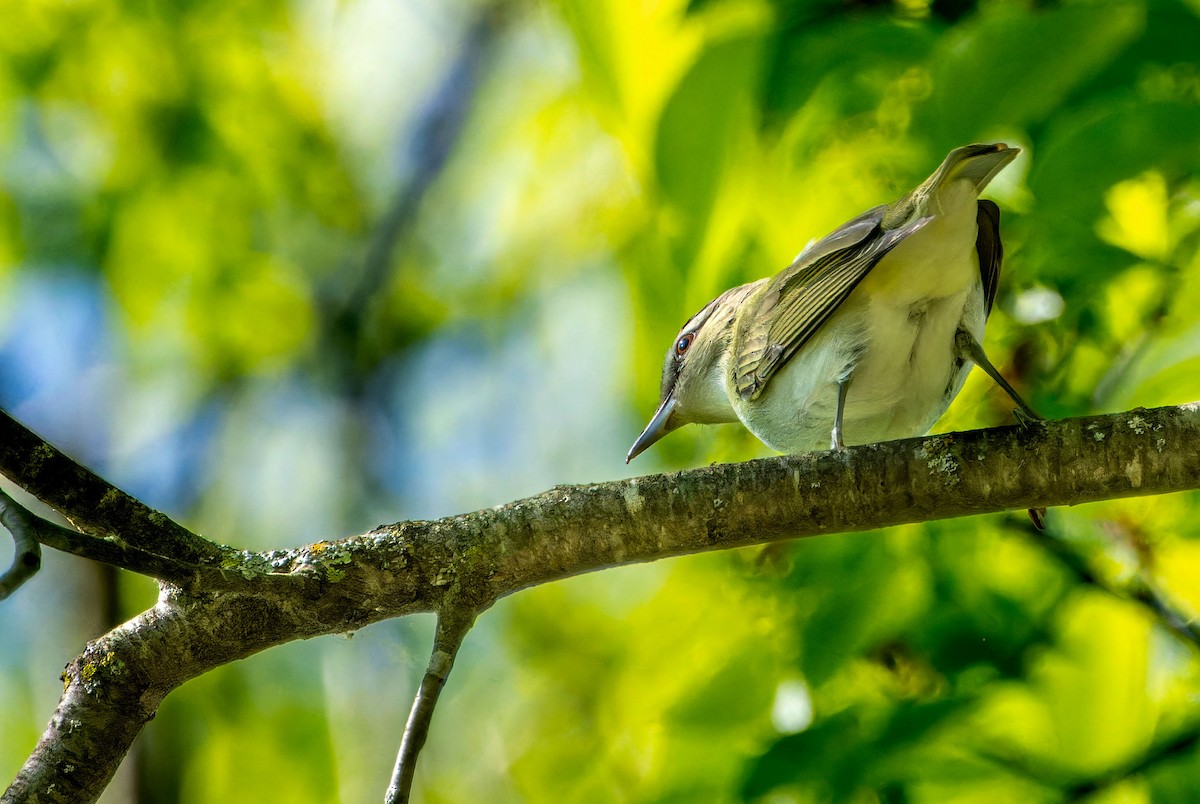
[795,303]
[990,250]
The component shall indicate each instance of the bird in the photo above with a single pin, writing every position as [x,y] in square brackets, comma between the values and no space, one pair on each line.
[867,336]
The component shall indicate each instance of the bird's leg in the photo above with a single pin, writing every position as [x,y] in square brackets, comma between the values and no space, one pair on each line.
[969,348]
[837,442]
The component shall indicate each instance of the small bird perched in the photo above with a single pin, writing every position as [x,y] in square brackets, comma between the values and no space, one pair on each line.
[867,336]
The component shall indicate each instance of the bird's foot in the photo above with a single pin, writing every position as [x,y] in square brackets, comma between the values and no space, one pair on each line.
[1027,416]
[1038,517]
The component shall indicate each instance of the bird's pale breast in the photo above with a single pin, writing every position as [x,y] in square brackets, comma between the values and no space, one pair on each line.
[894,336]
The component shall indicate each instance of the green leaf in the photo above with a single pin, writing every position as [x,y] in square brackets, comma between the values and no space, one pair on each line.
[853,594]
[850,64]
[1168,39]
[806,757]
[1011,68]
[738,692]
[859,747]
[700,125]
[1084,155]
[591,24]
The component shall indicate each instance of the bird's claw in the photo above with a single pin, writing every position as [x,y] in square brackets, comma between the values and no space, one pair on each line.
[1026,416]
[1038,517]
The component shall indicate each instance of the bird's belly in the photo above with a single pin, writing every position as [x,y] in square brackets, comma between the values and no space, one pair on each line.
[902,366]
[907,378]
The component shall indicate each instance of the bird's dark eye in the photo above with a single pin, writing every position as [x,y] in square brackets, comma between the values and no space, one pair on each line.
[684,342]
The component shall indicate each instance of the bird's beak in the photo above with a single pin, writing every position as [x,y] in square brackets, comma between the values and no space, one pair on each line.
[658,427]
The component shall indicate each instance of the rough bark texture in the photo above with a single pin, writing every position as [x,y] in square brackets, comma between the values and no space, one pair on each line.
[238,603]
[86,500]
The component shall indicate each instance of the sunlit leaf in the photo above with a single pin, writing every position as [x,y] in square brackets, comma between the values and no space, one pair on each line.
[701,122]
[1006,68]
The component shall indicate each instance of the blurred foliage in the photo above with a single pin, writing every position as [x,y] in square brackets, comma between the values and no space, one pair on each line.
[208,296]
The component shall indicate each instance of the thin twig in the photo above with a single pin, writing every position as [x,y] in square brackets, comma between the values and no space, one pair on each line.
[31,531]
[349,336]
[1143,592]
[438,129]
[28,557]
[1070,786]
[89,502]
[1179,744]
[452,627]
[1140,590]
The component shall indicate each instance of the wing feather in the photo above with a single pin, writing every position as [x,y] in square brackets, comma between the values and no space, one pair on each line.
[990,250]
[795,303]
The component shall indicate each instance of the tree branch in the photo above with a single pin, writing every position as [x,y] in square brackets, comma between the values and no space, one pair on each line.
[1181,743]
[452,627]
[1070,787]
[27,558]
[439,127]
[1139,590]
[90,503]
[234,574]
[117,684]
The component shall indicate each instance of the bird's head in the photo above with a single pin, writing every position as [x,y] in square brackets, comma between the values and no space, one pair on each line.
[693,377]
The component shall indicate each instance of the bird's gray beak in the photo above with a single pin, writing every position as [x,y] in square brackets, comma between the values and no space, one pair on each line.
[657,428]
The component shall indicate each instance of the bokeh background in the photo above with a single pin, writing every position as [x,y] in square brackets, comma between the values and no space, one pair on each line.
[289,270]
